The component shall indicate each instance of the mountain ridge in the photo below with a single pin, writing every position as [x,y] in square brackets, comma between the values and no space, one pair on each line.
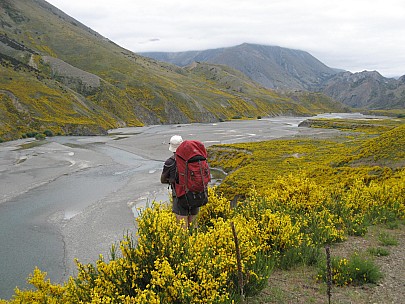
[367,89]
[286,69]
[274,67]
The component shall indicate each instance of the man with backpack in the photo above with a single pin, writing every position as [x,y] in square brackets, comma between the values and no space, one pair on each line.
[187,172]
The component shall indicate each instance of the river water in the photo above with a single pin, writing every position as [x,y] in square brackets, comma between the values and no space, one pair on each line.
[72,197]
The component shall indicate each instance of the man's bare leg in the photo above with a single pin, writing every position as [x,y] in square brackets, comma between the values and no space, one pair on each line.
[186,221]
[191,219]
[183,219]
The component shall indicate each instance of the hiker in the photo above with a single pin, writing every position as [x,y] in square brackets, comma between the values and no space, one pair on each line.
[169,177]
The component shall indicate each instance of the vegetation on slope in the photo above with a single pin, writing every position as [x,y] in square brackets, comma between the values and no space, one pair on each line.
[347,157]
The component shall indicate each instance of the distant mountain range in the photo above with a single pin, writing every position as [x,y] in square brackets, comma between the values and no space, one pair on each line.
[286,69]
[272,66]
[367,90]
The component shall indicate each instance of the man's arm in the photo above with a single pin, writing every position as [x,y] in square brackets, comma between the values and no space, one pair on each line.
[165,176]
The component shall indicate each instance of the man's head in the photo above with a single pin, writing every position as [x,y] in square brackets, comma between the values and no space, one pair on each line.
[175,142]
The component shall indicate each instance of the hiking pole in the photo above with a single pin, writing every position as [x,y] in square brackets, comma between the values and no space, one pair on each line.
[238,260]
[328,273]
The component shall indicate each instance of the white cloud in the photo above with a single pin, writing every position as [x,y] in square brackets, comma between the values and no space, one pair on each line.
[354,35]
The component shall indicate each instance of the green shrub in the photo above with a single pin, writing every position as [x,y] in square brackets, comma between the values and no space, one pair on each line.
[40,136]
[393,224]
[303,255]
[263,266]
[31,134]
[387,239]
[378,251]
[356,271]
[48,133]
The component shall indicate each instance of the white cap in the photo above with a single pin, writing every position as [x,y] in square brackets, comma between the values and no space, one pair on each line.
[175,142]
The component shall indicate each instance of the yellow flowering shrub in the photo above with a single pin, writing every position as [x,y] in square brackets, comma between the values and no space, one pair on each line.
[158,237]
[390,145]
[278,231]
[45,292]
[217,207]
[297,193]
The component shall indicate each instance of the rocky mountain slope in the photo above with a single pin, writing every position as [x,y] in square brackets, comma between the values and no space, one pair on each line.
[272,66]
[291,70]
[366,90]
[58,74]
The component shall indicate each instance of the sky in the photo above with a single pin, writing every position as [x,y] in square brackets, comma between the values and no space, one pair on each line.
[353,35]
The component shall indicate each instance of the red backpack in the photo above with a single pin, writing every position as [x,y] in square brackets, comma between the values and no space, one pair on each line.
[193,173]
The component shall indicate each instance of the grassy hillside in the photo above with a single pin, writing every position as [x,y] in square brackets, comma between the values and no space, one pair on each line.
[48,58]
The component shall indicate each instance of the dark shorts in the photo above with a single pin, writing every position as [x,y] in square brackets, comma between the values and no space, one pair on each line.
[180,209]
